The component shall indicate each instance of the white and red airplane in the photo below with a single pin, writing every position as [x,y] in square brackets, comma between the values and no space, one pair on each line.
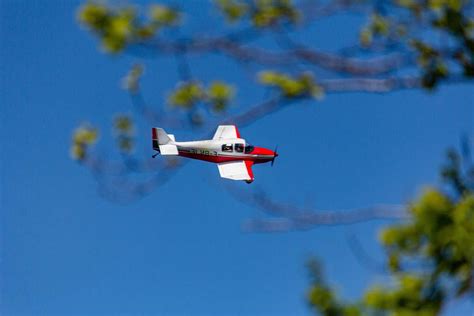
[233,155]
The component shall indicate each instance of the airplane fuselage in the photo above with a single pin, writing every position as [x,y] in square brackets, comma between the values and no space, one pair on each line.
[219,151]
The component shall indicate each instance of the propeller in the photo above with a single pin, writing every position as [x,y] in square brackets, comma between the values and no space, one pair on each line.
[276,154]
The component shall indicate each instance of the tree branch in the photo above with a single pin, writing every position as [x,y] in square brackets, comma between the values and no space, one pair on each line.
[289,217]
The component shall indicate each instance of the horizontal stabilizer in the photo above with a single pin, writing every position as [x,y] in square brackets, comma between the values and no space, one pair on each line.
[169,150]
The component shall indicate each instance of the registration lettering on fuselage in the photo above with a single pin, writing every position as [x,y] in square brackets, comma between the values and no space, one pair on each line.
[206,152]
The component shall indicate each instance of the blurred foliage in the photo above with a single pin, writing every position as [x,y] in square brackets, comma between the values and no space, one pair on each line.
[432,65]
[397,23]
[378,26]
[450,18]
[83,137]
[409,296]
[262,13]
[233,10]
[271,12]
[118,27]
[460,178]
[188,94]
[161,15]
[124,131]
[219,95]
[430,258]
[292,87]
[86,135]
[323,299]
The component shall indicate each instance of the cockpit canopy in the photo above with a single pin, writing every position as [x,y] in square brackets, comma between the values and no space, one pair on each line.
[238,147]
[249,148]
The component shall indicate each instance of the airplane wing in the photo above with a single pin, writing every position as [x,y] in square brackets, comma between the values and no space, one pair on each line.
[236,170]
[226,131]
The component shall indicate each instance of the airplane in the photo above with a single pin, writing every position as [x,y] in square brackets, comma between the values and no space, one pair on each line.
[232,154]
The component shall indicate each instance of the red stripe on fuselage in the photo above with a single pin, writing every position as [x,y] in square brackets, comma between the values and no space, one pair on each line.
[219,159]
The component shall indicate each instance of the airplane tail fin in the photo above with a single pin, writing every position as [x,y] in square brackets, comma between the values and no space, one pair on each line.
[160,137]
[162,142]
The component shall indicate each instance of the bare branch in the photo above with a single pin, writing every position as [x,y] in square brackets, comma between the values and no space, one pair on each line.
[295,55]
[379,85]
[290,217]
[362,256]
[315,218]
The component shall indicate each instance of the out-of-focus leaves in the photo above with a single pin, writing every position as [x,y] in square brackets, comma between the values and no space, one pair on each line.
[125,144]
[323,299]
[94,15]
[270,12]
[449,18]
[131,82]
[114,26]
[441,235]
[365,37]
[262,13]
[123,124]
[407,298]
[219,95]
[83,137]
[441,4]
[124,130]
[426,53]
[186,95]
[292,87]
[162,15]
[118,27]
[432,64]
[430,257]
[378,26]
[233,10]
[452,174]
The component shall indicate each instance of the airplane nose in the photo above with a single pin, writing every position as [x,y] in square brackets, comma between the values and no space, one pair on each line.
[275,154]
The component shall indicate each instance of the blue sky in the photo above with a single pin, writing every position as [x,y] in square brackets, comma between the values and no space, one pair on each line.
[180,250]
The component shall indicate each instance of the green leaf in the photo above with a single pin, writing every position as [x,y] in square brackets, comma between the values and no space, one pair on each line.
[123,125]
[83,137]
[163,15]
[380,25]
[186,95]
[94,15]
[125,144]
[365,37]
[233,10]
[292,87]
[270,12]
[219,95]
